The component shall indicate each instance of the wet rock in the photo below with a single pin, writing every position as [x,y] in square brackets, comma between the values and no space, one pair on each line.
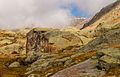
[14,65]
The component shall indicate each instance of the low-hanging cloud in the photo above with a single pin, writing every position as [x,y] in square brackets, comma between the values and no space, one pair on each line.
[92,6]
[43,13]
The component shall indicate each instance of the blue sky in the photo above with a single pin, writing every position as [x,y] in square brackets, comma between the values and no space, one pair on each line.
[75,11]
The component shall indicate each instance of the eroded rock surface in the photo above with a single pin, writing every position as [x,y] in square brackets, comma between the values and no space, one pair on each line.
[52,40]
[84,69]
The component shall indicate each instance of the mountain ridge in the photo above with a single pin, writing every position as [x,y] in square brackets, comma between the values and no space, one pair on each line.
[103,12]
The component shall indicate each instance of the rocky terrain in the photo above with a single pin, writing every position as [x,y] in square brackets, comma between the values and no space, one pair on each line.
[93,51]
[108,16]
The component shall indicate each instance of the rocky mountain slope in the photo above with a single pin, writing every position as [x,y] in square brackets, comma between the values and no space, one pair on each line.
[91,52]
[78,22]
[109,15]
[105,26]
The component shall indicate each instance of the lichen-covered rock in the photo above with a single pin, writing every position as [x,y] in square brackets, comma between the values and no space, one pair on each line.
[110,58]
[103,28]
[113,52]
[7,33]
[107,47]
[8,49]
[22,32]
[108,39]
[44,64]
[5,42]
[14,65]
[51,40]
[31,57]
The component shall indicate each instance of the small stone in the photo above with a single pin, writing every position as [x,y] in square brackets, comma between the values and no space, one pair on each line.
[14,65]
[68,62]
[34,75]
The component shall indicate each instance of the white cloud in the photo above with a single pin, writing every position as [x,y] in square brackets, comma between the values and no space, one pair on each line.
[93,6]
[19,13]
[43,13]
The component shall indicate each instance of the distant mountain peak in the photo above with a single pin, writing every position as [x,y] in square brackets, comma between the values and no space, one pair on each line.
[78,21]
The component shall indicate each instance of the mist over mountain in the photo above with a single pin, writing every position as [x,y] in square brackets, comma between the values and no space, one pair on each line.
[43,13]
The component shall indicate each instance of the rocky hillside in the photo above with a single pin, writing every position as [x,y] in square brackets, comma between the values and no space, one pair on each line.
[52,50]
[109,15]
[107,48]
[91,52]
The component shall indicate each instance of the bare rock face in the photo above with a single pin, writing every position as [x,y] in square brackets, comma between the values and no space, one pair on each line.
[84,69]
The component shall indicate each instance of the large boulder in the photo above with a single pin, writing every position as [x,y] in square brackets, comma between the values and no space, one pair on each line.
[51,40]
[108,58]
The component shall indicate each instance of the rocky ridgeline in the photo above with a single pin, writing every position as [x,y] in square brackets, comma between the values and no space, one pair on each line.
[107,15]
